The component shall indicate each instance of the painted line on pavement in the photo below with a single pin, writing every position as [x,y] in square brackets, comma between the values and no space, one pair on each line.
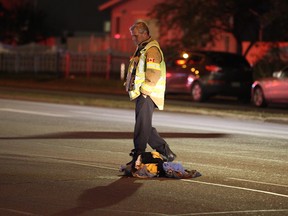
[236,187]
[234,212]
[258,182]
[17,212]
[82,163]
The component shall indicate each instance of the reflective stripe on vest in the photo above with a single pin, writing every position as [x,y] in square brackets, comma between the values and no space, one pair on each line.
[157,91]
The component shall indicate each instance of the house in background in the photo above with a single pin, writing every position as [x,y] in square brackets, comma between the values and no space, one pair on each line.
[94,52]
[77,46]
[125,12]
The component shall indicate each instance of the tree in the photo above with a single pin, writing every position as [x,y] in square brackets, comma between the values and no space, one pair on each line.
[22,24]
[202,21]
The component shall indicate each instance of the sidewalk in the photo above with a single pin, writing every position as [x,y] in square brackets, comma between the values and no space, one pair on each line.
[88,85]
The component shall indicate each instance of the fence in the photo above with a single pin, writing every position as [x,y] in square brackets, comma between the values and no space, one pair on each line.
[104,64]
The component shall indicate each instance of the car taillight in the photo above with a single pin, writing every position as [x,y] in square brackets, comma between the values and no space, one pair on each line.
[213,68]
[180,61]
[168,75]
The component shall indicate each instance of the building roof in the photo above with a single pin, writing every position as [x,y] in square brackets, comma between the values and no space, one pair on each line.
[109,4]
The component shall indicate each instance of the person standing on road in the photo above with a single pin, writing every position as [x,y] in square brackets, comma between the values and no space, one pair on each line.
[146,83]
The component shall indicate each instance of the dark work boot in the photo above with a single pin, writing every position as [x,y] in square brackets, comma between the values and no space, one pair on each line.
[134,154]
[168,155]
[129,169]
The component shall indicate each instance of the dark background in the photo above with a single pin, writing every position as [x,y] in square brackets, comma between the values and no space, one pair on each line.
[73,15]
[67,15]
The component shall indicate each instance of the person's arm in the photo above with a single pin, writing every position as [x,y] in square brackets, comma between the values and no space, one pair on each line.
[153,70]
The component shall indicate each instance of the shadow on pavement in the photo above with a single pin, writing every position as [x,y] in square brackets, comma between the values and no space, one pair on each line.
[103,196]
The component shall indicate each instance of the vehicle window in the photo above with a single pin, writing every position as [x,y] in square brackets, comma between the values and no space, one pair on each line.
[195,59]
[229,60]
[180,61]
[285,69]
[284,74]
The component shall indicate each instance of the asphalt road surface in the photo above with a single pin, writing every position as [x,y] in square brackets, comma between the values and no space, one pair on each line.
[64,160]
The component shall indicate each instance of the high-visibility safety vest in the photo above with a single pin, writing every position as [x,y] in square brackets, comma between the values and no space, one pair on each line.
[157,92]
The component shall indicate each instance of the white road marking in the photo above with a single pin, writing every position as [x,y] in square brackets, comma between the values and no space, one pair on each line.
[32,112]
[86,164]
[234,212]
[236,187]
[258,182]
[17,212]
[199,182]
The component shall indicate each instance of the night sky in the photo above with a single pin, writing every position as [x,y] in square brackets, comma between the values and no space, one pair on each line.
[74,15]
[70,15]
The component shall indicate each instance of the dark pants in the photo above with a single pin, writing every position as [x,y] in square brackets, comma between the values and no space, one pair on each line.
[144,132]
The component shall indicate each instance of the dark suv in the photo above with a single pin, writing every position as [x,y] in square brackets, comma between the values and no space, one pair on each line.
[205,73]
